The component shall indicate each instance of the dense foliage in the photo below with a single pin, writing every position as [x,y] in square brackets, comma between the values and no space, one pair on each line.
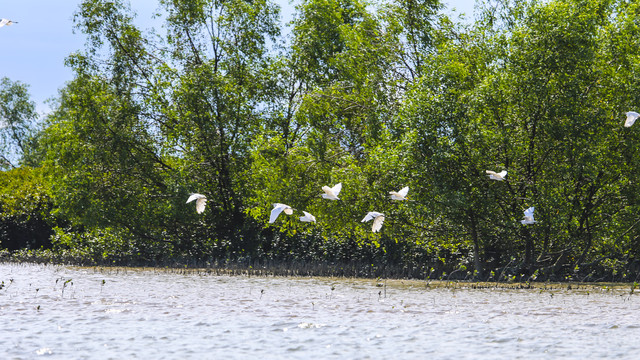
[17,124]
[373,95]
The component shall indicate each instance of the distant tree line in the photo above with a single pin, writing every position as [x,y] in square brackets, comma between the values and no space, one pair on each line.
[374,95]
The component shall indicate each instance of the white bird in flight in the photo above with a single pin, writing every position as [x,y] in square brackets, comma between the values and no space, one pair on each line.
[201,202]
[7,22]
[277,209]
[332,193]
[528,216]
[400,195]
[497,176]
[378,219]
[307,217]
[632,116]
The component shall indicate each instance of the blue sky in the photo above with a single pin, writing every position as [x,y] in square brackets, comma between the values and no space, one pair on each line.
[34,50]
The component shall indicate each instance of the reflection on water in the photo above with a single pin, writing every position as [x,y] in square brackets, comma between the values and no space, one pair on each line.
[84,313]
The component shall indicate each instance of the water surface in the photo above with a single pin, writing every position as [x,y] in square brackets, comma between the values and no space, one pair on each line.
[86,313]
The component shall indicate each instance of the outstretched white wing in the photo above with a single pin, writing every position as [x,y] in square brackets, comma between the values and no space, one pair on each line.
[195,197]
[332,193]
[400,195]
[337,188]
[529,212]
[368,217]
[377,223]
[307,217]
[371,215]
[496,176]
[632,116]
[201,202]
[277,209]
[528,216]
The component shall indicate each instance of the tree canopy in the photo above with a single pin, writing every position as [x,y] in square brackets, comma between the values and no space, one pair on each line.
[373,95]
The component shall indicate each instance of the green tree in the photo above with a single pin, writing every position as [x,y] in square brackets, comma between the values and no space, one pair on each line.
[17,122]
[349,81]
[376,96]
[530,89]
[25,209]
[147,120]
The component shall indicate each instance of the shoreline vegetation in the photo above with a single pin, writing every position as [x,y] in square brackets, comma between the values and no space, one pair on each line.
[302,269]
[618,288]
[477,122]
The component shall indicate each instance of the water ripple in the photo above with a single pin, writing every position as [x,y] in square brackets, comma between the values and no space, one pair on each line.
[129,313]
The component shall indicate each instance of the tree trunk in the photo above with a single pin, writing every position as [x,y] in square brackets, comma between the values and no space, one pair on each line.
[477,261]
[528,253]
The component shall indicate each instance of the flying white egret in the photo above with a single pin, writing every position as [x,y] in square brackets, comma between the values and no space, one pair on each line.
[201,202]
[332,193]
[277,209]
[528,216]
[378,219]
[307,217]
[400,195]
[632,116]
[497,176]
[7,22]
